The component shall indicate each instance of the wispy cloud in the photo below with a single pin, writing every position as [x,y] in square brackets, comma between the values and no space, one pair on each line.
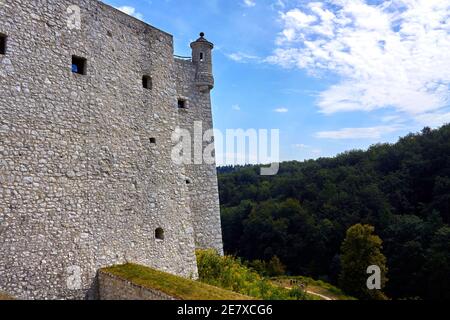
[433,119]
[131,11]
[308,151]
[278,4]
[390,55]
[358,133]
[281,110]
[249,3]
[236,107]
[242,57]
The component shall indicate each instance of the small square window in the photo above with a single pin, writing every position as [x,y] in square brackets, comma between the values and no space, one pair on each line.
[152,140]
[3,40]
[79,65]
[159,234]
[181,104]
[147,82]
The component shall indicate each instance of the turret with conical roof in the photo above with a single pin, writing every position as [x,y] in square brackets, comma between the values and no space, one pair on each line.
[202,59]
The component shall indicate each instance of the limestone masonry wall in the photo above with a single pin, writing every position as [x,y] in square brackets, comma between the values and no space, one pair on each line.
[114,288]
[86,175]
[203,186]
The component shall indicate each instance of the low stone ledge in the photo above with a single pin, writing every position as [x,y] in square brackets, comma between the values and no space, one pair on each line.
[112,287]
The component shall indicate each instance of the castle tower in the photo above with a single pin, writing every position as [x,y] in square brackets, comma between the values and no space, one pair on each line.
[202,59]
[194,82]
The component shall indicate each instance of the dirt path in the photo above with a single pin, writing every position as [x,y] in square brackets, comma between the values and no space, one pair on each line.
[319,295]
[315,294]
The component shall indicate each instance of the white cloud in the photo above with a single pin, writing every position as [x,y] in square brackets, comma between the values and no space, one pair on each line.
[281,110]
[358,133]
[391,55]
[236,107]
[433,119]
[393,119]
[249,3]
[131,11]
[242,57]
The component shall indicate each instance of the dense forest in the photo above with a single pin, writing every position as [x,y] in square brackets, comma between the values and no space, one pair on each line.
[302,214]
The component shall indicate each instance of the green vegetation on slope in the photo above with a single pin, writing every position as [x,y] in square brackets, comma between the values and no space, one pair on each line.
[314,286]
[229,273]
[181,288]
[302,214]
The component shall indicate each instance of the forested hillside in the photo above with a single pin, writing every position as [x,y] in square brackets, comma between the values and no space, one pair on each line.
[302,214]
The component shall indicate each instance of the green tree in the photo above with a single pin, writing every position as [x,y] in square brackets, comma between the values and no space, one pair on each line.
[361,249]
[438,266]
[275,267]
[301,214]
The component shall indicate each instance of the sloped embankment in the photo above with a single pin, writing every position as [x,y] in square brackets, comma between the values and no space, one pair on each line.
[135,282]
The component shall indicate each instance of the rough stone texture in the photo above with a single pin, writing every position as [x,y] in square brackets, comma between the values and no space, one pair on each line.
[112,287]
[81,186]
[203,186]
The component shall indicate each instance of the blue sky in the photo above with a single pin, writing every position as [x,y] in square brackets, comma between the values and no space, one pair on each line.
[331,75]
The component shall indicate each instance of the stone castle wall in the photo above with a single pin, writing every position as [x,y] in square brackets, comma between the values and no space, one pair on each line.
[82,186]
[203,186]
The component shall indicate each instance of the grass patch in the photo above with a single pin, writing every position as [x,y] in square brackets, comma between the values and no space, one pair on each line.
[181,288]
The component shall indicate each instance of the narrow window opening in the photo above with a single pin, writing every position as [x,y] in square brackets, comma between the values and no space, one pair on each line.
[188,181]
[181,104]
[147,82]
[201,56]
[152,140]
[3,40]
[79,65]
[159,234]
